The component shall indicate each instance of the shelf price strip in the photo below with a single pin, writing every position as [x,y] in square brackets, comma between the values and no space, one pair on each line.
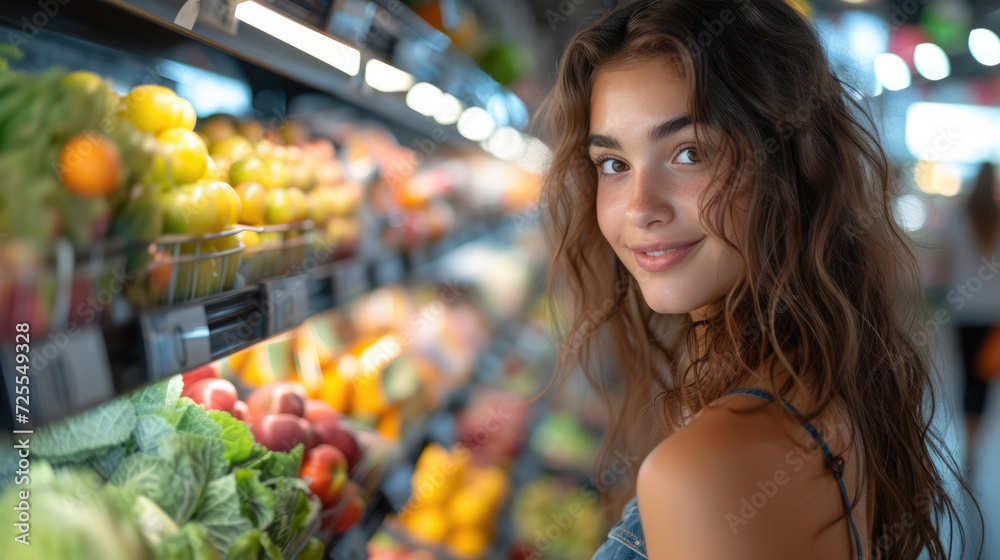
[349,282]
[287,303]
[176,340]
[69,373]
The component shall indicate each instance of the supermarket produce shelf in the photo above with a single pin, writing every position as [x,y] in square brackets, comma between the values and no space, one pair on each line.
[394,36]
[352,545]
[76,370]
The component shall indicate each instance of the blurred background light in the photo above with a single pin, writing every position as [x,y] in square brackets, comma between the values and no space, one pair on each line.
[985,46]
[931,61]
[892,71]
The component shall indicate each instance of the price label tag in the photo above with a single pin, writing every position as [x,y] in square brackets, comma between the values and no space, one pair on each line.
[220,14]
[69,373]
[390,270]
[349,282]
[288,303]
[176,340]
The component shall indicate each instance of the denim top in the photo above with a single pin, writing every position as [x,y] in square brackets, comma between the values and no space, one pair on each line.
[626,541]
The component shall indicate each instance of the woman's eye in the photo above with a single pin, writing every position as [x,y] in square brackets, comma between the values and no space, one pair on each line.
[692,157]
[612,166]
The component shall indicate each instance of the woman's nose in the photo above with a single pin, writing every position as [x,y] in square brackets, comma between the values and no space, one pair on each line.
[648,205]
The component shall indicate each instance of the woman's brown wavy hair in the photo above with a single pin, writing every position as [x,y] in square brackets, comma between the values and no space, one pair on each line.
[832,290]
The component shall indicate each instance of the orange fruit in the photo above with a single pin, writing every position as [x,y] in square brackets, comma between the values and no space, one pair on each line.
[90,165]
[336,390]
[253,198]
[428,524]
[468,508]
[389,424]
[469,542]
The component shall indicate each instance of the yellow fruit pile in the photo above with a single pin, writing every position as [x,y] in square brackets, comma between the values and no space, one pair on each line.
[454,503]
[284,178]
[194,201]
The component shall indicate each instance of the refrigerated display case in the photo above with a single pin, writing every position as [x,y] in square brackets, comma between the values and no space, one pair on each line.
[238,192]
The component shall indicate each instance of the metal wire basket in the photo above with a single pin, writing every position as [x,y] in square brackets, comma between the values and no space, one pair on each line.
[182,267]
[282,250]
[69,288]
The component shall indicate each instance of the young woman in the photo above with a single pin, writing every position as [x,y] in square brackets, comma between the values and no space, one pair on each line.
[720,216]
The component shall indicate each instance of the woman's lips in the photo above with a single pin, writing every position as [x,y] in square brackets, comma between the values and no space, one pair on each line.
[665,261]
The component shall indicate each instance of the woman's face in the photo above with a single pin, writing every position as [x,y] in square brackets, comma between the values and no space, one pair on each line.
[650,177]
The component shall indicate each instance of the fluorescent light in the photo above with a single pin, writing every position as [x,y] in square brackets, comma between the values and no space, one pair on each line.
[891,70]
[984,46]
[449,109]
[309,41]
[953,133]
[931,61]
[506,143]
[424,98]
[387,78]
[475,124]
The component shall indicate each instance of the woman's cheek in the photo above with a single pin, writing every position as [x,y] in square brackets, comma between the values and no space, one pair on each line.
[610,214]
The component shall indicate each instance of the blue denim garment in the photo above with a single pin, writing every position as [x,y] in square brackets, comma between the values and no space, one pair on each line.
[625,539]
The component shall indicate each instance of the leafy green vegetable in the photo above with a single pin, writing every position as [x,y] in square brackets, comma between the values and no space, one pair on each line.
[269,550]
[73,516]
[87,435]
[274,464]
[163,394]
[247,546]
[286,505]
[107,463]
[149,430]
[154,523]
[220,513]
[190,543]
[175,478]
[183,483]
[236,436]
[189,417]
[256,499]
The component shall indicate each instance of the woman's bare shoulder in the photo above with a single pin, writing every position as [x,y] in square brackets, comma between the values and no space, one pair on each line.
[741,480]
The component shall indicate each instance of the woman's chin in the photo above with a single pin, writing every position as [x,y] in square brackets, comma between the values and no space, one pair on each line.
[660,300]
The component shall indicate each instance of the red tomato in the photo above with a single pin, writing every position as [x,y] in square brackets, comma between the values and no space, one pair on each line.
[325,469]
[332,432]
[213,394]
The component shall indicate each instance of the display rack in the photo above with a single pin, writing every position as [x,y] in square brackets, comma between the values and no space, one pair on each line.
[99,362]
[395,36]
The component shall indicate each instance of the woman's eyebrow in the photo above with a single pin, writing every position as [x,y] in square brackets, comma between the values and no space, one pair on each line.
[673,126]
[657,133]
